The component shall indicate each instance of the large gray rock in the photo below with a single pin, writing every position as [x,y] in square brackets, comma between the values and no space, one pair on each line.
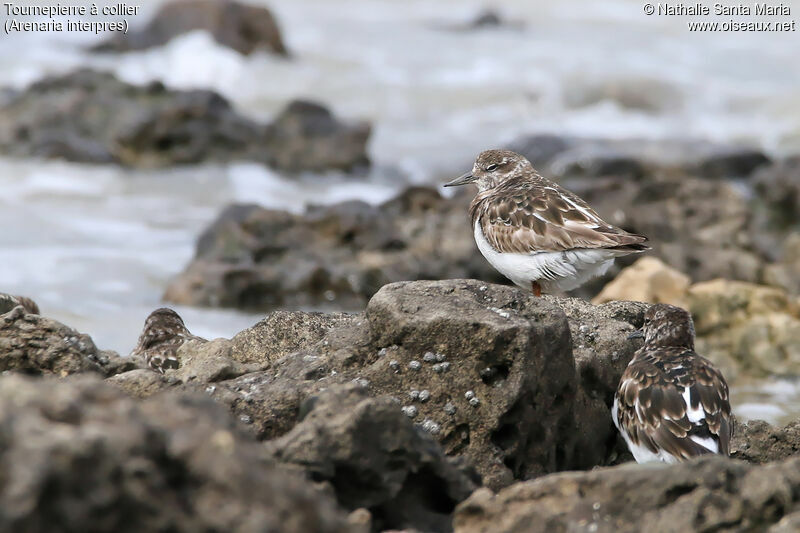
[93,117]
[517,385]
[710,494]
[33,344]
[375,458]
[79,455]
[243,27]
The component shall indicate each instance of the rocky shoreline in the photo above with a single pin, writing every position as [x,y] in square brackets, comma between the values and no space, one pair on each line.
[444,405]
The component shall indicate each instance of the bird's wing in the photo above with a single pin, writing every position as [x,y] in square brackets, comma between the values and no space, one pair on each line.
[678,405]
[524,218]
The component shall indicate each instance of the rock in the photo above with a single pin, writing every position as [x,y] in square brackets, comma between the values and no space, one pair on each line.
[305,136]
[786,272]
[509,353]
[376,459]
[757,442]
[778,189]
[243,27]
[82,456]
[746,327]
[710,494]
[209,362]
[93,117]
[142,382]
[257,258]
[285,332]
[731,162]
[518,386]
[34,344]
[648,280]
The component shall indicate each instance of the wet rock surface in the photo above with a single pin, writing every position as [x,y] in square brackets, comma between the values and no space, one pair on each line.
[243,27]
[710,494]
[252,257]
[92,116]
[82,456]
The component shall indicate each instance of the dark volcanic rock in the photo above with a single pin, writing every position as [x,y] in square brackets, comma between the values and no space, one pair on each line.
[710,494]
[34,344]
[243,27]
[93,117]
[375,458]
[253,257]
[306,136]
[80,455]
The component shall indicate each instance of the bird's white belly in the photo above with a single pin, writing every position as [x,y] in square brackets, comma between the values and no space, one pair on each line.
[564,271]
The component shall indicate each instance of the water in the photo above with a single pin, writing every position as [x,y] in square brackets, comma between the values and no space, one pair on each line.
[95,245]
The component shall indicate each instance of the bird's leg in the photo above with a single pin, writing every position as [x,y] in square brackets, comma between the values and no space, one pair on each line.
[536,288]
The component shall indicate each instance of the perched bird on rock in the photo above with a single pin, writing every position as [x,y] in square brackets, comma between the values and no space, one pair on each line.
[164,332]
[534,232]
[672,404]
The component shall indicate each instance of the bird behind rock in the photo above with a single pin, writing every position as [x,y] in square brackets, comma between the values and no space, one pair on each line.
[672,404]
[163,334]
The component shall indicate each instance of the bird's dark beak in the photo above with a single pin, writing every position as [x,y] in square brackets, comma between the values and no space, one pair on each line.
[638,334]
[463,179]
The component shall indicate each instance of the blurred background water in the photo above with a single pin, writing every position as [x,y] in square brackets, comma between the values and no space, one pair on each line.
[95,245]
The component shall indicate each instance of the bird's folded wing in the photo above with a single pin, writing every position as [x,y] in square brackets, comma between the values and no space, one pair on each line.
[683,411]
[547,220]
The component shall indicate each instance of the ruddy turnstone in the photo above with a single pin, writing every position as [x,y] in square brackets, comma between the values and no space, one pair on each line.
[534,232]
[671,404]
[164,332]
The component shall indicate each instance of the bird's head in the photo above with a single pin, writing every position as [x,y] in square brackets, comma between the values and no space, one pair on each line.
[667,325]
[492,168]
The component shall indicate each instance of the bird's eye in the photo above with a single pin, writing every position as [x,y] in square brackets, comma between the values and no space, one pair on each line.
[491,168]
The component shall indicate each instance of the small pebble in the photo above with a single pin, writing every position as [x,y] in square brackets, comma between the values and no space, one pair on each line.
[394,365]
[449,408]
[487,373]
[246,419]
[431,427]
[584,328]
[361,382]
[483,288]
[474,402]
[414,395]
[409,410]
[469,395]
[210,389]
[441,367]
[424,395]
[415,365]
[439,357]
[381,352]
[429,357]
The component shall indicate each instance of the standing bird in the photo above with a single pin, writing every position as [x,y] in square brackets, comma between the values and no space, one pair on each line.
[671,404]
[535,233]
[164,332]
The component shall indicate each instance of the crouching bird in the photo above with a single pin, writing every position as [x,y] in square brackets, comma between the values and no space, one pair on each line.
[671,404]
